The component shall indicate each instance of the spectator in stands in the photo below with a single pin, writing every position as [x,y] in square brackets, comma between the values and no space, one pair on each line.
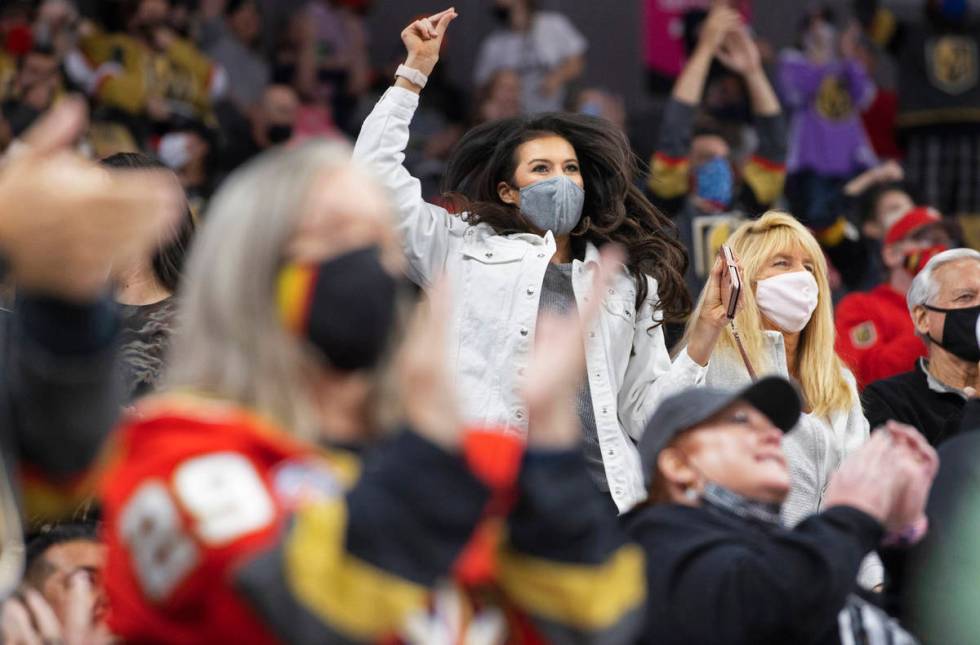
[787,328]
[594,101]
[865,208]
[944,302]
[149,71]
[145,288]
[539,195]
[230,34]
[500,97]
[721,568]
[937,59]
[826,88]
[692,171]
[33,89]
[875,334]
[281,538]
[543,47]
[62,600]
[328,60]
[271,123]
[59,553]
[190,153]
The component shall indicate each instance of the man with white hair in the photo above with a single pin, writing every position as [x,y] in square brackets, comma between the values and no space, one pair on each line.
[944,301]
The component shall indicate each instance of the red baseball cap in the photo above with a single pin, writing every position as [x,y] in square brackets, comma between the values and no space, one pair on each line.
[914,219]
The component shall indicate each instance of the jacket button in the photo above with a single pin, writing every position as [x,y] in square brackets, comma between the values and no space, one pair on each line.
[519,414]
[591,334]
[618,491]
[488,254]
[524,331]
[530,291]
[540,255]
[612,453]
[605,410]
[612,291]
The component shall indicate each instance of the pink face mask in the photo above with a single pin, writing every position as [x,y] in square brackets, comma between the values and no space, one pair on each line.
[788,299]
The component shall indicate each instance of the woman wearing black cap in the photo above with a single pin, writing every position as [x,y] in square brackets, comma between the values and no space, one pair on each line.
[721,568]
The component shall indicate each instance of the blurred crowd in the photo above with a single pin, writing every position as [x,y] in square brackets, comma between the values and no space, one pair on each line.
[299,348]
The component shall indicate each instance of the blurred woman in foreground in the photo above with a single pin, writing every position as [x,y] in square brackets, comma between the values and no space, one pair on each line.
[234,508]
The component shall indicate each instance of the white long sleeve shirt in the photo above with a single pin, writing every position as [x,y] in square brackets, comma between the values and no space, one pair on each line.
[496,283]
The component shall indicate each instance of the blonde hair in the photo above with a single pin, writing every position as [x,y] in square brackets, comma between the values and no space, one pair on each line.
[230,341]
[821,372]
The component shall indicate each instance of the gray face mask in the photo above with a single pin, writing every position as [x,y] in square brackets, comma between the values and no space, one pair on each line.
[553,204]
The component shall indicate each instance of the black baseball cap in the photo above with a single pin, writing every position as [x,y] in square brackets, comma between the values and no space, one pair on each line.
[773,396]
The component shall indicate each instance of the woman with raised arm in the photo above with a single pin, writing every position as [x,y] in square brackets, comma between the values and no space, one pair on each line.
[537,196]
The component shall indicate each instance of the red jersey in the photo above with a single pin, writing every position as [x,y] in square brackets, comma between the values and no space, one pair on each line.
[195,486]
[875,334]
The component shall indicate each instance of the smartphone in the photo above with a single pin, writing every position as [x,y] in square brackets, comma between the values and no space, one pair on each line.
[729,258]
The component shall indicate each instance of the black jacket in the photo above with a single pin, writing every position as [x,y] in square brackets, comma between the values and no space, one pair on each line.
[908,399]
[713,577]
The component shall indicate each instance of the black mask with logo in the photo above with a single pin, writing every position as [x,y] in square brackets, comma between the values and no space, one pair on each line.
[349,308]
[959,332]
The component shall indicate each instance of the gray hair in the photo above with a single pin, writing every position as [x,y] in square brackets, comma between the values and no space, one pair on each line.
[924,288]
[230,342]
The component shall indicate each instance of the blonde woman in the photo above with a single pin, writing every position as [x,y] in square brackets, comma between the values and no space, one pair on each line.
[786,325]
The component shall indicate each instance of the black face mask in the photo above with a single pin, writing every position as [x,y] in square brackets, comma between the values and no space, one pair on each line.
[279,133]
[501,14]
[959,332]
[344,306]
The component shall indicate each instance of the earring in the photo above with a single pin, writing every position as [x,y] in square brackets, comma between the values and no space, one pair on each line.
[691,494]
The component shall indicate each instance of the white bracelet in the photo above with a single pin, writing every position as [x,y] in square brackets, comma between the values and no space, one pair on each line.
[412,75]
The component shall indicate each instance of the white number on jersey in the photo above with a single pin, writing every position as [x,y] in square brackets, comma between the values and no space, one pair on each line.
[226,499]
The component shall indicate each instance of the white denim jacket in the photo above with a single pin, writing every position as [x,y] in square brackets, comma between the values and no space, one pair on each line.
[496,283]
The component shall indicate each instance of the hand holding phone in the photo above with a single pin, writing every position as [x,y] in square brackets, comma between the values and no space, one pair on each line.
[734,281]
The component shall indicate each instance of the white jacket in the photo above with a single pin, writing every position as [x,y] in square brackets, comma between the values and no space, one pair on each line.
[496,283]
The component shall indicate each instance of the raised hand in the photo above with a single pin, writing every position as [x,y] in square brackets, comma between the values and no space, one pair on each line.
[65,221]
[738,52]
[424,380]
[557,366]
[721,20]
[423,39]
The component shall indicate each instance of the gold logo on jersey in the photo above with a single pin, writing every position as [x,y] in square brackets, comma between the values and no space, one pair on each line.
[864,335]
[833,100]
[952,63]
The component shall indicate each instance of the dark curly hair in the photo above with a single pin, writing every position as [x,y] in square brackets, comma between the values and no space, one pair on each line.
[615,210]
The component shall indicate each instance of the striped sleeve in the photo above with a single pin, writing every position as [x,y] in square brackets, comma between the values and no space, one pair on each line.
[764,174]
[355,568]
[669,180]
[565,563]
